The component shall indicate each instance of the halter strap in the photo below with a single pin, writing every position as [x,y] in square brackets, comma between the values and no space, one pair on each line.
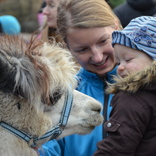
[66,109]
[16,132]
[54,133]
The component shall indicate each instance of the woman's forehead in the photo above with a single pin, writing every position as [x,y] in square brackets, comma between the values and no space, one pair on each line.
[83,37]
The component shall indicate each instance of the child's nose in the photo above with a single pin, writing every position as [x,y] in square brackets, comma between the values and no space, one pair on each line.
[121,67]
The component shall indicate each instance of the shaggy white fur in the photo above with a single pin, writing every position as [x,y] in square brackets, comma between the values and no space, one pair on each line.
[33,81]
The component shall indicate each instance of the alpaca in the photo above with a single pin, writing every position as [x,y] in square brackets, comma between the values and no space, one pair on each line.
[38,100]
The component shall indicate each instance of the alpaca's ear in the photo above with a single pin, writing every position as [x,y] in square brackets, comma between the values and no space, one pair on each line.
[20,73]
[17,74]
[7,74]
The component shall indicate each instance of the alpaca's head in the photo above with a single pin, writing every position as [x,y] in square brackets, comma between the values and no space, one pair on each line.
[36,71]
[34,79]
[33,75]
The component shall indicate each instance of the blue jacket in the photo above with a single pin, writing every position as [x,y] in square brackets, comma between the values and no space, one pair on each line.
[85,145]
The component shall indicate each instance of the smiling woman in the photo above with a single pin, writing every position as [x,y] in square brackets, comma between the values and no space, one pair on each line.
[92,48]
[86,27]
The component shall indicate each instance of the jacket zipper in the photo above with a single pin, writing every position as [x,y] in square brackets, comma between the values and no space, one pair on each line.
[105,110]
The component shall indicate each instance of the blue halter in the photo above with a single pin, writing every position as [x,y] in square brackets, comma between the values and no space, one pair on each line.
[54,133]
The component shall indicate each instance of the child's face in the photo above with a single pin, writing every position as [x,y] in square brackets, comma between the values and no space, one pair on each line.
[130,60]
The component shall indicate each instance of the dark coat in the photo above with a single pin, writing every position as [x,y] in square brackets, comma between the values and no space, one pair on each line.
[134,8]
[132,125]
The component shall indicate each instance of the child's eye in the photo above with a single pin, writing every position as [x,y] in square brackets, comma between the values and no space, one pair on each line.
[127,60]
[103,41]
[118,63]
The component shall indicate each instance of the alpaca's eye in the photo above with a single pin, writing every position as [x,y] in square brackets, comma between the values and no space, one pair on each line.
[56,96]
[19,105]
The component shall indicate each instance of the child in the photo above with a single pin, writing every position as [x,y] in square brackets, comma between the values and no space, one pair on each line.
[132,124]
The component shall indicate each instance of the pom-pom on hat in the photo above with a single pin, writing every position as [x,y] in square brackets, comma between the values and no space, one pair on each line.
[10,25]
[139,34]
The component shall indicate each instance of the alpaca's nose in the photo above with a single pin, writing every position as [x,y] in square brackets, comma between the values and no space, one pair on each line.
[96,106]
[99,110]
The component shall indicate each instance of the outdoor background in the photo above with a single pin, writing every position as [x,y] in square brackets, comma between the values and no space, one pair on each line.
[24,10]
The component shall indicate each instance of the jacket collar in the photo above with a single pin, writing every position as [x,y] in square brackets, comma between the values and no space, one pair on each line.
[94,77]
[145,79]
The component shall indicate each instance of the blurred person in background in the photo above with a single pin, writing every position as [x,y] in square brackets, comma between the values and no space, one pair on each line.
[114,3]
[134,8]
[48,29]
[40,15]
[9,25]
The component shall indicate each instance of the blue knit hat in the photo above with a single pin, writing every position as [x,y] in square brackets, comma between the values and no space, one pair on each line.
[10,25]
[139,34]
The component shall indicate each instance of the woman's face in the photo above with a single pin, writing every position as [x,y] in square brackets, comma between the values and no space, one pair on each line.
[51,12]
[92,47]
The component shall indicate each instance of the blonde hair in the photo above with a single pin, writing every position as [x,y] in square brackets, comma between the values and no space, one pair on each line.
[84,14]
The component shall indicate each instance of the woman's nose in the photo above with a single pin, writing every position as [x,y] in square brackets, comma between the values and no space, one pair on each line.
[45,10]
[97,55]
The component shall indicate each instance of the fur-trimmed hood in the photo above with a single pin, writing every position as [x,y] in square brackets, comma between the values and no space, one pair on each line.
[132,83]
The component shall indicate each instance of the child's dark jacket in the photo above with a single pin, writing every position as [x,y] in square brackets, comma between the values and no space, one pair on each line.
[132,125]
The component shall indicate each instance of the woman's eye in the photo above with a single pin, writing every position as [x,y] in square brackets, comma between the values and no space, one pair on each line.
[81,50]
[51,4]
[104,40]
